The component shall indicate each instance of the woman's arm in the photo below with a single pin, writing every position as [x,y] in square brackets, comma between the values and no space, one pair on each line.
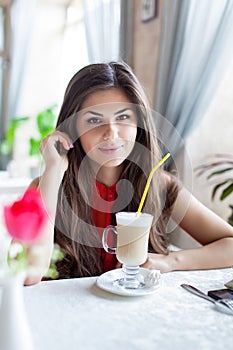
[48,184]
[207,228]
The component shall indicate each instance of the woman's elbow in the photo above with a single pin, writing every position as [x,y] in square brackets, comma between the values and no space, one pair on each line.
[29,281]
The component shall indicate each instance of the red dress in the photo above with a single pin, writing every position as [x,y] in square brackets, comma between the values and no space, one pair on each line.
[104,217]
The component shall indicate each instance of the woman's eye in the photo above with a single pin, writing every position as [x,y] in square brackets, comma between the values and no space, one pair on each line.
[93,120]
[123,117]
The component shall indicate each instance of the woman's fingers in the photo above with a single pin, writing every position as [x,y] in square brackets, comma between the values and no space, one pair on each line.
[54,149]
[57,139]
[118,265]
[158,262]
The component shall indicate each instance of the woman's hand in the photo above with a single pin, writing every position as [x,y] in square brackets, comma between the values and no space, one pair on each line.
[54,149]
[158,262]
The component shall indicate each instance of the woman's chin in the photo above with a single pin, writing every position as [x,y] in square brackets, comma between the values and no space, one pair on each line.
[112,163]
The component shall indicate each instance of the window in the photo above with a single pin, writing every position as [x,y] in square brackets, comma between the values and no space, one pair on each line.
[1,50]
[57,49]
[74,41]
[4,61]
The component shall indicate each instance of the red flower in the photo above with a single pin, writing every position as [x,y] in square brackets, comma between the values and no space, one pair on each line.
[26,218]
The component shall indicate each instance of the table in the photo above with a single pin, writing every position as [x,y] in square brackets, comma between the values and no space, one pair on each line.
[11,188]
[75,314]
[12,185]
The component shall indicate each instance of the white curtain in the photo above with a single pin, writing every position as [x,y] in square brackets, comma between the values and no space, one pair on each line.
[102,25]
[196,51]
[22,19]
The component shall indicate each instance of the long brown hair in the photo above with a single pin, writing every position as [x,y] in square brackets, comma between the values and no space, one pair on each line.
[74,229]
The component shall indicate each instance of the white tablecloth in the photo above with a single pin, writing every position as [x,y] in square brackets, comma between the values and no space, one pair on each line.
[12,185]
[76,314]
[11,188]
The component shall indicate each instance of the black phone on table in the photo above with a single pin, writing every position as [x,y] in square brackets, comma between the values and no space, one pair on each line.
[221,294]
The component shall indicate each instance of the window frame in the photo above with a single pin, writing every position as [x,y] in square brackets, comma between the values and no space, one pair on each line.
[5,54]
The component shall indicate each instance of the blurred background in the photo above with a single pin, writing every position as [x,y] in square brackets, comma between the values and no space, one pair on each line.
[181,51]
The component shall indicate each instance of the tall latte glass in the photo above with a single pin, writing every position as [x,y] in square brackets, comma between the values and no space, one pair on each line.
[132,245]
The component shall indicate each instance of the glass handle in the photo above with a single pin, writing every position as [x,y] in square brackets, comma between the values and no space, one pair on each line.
[108,249]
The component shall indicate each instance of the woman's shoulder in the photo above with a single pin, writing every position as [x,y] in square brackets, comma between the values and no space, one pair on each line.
[35,182]
[168,179]
[165,176]
[171,186]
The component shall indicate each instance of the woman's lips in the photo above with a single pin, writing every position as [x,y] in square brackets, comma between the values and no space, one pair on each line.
[110,150]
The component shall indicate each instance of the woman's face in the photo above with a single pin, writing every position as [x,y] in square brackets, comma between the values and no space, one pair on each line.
[107,127]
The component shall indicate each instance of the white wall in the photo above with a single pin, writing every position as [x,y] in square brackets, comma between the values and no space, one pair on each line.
[214,134]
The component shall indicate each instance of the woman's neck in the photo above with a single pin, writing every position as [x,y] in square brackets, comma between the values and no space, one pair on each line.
[109,176]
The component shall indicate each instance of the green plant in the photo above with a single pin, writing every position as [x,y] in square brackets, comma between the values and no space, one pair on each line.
[45,121]
[220,168]
[223,165]
[6,145]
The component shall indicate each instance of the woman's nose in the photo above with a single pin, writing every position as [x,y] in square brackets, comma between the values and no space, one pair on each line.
[110,132]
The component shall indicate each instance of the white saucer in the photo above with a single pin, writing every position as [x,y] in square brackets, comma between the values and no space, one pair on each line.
[105,282]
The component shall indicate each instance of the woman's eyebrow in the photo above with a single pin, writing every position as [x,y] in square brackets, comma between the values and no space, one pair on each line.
[101,115]
[123,110]
[94,113]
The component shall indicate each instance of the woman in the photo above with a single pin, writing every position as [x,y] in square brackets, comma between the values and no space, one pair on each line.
[97,163]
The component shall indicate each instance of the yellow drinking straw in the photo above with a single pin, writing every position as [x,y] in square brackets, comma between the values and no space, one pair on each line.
[149,180]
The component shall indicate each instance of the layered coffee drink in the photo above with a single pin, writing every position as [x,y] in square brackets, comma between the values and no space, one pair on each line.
[132,237]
